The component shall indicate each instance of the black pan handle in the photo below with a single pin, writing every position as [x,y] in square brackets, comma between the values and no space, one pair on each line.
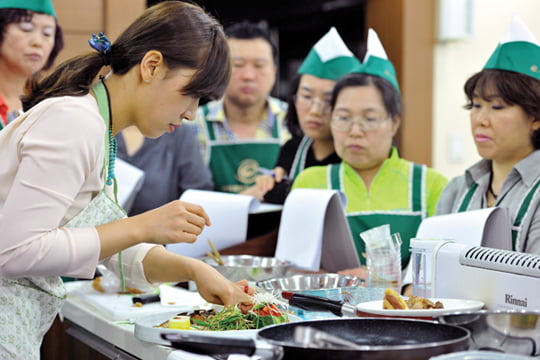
[214,345]
[314,303]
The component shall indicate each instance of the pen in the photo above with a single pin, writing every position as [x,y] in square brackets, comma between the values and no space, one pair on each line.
[271,173]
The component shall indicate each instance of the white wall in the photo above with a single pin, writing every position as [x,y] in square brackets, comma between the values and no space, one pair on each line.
[454,63]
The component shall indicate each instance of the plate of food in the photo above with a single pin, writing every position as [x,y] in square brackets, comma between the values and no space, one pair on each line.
[394,304]
[214,320]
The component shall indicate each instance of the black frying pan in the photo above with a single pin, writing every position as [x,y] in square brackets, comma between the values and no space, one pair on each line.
[379,338]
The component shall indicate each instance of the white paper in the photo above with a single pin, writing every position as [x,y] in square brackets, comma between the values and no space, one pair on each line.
[488,227]
[314,231]
[229,217]
[130,179]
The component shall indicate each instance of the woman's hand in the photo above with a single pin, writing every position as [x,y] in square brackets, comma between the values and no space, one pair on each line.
[264,183]
[175,222]
[215,288]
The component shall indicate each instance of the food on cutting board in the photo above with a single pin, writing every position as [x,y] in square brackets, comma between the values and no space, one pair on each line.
[98,286]
[393,301]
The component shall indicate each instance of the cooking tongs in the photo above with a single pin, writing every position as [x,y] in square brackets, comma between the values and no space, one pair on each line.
[318,303]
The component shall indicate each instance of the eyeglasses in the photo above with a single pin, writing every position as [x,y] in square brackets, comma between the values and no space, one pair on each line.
[345,123]
[307,101]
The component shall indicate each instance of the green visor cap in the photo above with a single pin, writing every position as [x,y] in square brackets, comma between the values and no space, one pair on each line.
[40,6]
[518,51]
[329,58]
[376,61]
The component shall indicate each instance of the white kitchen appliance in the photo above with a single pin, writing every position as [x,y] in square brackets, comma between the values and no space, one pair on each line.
[502,279]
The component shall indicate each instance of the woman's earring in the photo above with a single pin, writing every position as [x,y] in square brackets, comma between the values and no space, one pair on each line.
[147,80]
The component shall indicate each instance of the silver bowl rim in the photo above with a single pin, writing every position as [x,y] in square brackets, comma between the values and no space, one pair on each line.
[282,262]
[261,283]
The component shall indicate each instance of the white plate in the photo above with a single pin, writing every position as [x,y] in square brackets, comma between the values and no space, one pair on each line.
[145,329]
[450,306]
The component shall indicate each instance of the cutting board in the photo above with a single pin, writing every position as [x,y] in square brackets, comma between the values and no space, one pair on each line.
[118,307]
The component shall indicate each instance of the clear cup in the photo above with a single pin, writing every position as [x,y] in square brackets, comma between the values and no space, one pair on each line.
[383,255]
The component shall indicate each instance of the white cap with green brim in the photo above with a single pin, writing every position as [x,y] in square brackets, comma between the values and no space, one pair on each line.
[376,61]
[518,51]
[329,58]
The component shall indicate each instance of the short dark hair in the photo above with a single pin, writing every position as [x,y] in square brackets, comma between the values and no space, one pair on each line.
[248,30]
[391,96]
[513,87]
[9,16]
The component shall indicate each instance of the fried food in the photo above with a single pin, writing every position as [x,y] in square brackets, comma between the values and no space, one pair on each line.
[393,301]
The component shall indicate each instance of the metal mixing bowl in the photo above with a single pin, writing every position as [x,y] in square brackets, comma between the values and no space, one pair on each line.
[310,282]
[249,267]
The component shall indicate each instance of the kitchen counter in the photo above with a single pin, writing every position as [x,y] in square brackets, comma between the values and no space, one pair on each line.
[113,338]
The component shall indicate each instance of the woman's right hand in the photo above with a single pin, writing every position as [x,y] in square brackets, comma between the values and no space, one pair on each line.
[174,222]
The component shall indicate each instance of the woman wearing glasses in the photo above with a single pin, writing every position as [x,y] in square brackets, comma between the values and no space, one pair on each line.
[308,116]
[381,188]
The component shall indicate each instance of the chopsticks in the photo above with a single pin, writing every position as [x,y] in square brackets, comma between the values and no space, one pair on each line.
[215,255]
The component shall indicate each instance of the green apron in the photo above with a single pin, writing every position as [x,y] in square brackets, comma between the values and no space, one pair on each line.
[523,208]
[28,306]
[405,223]
[235,163]
[299,161]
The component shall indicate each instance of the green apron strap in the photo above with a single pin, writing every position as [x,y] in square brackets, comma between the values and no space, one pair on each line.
[467,199]
[417,176]
[299,161]
[523,208]
[209,127]
[103,106]
[334,170]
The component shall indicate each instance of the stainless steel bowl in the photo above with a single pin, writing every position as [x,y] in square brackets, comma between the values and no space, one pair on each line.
[303,282]
[249,267]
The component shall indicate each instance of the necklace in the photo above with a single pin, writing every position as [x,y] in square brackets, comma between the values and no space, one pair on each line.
[490,190]
[113,146]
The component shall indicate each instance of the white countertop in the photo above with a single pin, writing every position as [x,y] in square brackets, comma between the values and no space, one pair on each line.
[117,332]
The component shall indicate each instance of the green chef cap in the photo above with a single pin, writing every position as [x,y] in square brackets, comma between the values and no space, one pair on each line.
[329,58]
[376,61]
[518,51]
[40,6]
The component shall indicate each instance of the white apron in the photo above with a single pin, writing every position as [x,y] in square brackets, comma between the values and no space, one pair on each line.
[28,306]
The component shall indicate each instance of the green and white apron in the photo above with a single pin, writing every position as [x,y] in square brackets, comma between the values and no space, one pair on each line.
[522,209]
[405,223]
[299,161]
[28,306]
[234,163]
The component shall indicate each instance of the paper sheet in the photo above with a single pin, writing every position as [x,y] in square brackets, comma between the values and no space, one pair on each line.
[229,216]
[314,231]
[130,179]
[485,227]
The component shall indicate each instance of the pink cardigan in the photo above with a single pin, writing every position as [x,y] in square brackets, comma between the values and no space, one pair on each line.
[51,161]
